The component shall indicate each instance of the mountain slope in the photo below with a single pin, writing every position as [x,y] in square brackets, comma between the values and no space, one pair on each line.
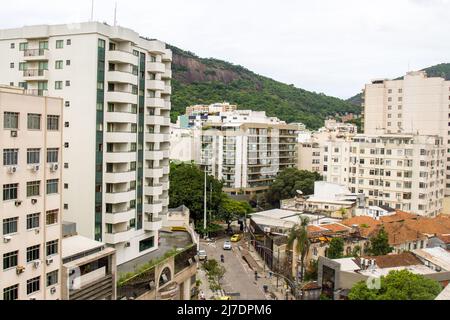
[439,70]
[204,81]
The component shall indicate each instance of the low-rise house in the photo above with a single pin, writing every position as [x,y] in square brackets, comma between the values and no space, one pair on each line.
[338,276]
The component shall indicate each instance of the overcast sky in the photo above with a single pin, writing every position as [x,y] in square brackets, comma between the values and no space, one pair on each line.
[327,46]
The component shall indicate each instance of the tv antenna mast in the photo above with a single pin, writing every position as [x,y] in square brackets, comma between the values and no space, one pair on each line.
[92,10]
[115,15]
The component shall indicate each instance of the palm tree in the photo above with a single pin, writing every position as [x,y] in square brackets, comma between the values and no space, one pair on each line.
[299,236]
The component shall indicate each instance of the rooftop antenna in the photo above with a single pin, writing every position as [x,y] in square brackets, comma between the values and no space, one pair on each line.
[92,10]
[115,15]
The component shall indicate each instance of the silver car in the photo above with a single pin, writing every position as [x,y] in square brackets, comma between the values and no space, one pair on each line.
[202,255]
[227,245]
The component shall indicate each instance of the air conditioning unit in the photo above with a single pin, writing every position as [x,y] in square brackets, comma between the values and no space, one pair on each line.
[36,231]
[33,298]
[127,245]
[33,201]
[54,167]
[53,290]
[12,169]
[7,239]
[49,261]
[36,264]
[14,134]
[266,229]
[18,203]
[20,269]
[36,168]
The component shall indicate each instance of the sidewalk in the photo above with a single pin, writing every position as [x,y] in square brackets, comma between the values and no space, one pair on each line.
[204,286]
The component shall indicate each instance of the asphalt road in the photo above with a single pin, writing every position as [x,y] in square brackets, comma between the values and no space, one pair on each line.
[238,278]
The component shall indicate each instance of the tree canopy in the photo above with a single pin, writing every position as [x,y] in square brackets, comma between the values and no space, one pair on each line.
[231,209]
[398,285]
[379,244]
[187,188]
[288,182]
[336,248]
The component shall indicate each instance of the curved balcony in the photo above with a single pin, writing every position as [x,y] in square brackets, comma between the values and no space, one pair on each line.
[120,117]
[155,102]
[157,67]
[119,237]
[122,77]
[166,154]
[155,207]
[167,56]
[120,217]
[154,172]
[153,225]
[120,157]
[156,47]
[155,85]
[121,97]
[119,177]
[165,185]
[167,105]
[120,197]
[158,120]
[35,75]
[120,137]
[157,137]
[165,202]
[167,74]
[167,90]
[154,155]
[166,170]
[154,190]
[122,57]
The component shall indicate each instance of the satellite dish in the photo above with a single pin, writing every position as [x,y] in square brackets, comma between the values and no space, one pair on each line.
[299,192]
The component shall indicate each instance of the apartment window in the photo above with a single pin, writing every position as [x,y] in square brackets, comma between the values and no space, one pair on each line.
[58,64]
[33,156]
[33,285]
[59,44]
[10,157]
[66,165]
[10,260]
[152,58]
[52,248]
[51,217]
[11,293]
[67,62]
[52,186]
[146,244]
[66,206]
[11,120]
[13,45]
[10,225]
[136,53]
[66,186]
[33,188]
[11,65]
[66,124]
[23,46]
[33,253]
[52,122]
[68,42]
[10,191]
[101,43]
[67,103]
[58,85]
[33,221]
[52,155]
[100,86]
[52,278]
[67,83]
[34,121]
[22,66]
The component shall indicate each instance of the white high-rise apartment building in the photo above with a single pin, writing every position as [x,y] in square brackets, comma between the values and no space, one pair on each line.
[402,171]
[116,89]
[247,149]
[415,104]
[30,206]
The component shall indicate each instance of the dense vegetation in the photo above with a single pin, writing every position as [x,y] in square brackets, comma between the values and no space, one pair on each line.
[397,285]
[288,182]
[204,81]
[439,70]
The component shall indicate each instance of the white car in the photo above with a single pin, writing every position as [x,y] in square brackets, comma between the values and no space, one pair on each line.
[227,245]
[202,255]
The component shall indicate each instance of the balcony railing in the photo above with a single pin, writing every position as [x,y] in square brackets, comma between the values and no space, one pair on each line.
[36,92]
[34,52]
[34,73]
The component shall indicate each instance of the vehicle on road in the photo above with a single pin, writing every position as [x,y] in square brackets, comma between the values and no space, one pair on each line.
[227,245]
[202,255]
[223,298]
[236,237]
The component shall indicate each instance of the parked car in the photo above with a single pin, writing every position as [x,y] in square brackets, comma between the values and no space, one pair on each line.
[202,255]
[227,245]
[236,237]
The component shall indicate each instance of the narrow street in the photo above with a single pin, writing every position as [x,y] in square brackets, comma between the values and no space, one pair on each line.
[239,279]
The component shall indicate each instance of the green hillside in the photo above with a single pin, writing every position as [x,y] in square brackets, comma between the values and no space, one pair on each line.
[203,81]
[439,70]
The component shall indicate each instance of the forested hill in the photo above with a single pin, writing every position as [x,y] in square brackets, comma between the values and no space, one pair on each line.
[203,81]
[439,70]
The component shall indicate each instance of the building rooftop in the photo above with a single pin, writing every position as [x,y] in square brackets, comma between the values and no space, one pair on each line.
[75,245]
[445,294]
[436,256]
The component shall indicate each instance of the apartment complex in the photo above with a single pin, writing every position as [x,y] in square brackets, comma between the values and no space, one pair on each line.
[30,177]
[414,104]
[402,171]
[116,89]
[247,149]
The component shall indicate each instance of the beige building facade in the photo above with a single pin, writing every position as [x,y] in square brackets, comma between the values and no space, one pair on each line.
[30,208]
